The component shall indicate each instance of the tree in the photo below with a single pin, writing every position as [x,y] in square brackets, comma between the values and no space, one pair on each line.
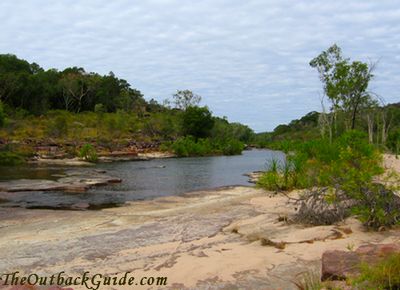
[345,83]
[185,99]
[76,84]
[197,122]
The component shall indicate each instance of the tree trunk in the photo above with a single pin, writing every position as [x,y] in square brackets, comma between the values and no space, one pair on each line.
[370,122]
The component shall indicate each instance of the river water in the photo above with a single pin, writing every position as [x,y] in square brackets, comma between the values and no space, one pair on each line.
[143,179]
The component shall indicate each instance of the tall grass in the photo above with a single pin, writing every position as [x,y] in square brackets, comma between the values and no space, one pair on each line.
[383,275]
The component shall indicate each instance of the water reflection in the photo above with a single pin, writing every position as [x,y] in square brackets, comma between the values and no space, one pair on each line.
[144,180]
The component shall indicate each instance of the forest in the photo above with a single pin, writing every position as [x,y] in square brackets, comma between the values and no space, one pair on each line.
[76,109]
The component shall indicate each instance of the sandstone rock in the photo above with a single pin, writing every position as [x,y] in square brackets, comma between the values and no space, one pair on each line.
[254,176]
[73,182]
[339,265]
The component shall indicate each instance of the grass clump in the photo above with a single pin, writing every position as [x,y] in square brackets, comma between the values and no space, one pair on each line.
[309,280]
[384,275]
[88,153]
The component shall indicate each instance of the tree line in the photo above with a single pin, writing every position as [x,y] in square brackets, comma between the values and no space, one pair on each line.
[28,86]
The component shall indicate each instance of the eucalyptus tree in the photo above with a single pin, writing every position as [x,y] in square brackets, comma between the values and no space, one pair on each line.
[185,99]
[345,82]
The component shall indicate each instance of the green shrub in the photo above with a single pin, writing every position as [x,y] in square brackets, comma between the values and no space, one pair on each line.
[232,147]
[189,146]
[88,153]
[10,158]
[348,167]
[197,122]
[393,141]
[2,115]
[286,175]
[384,275]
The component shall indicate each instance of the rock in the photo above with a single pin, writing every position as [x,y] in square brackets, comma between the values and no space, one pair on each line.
[80,205]
[74,181]
[119,154]
[254,176]
[339,265]
[61,162]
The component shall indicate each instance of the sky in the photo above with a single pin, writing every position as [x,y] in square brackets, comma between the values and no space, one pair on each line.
[248,59]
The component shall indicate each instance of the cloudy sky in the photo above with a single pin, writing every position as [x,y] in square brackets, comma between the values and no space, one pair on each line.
[248,59]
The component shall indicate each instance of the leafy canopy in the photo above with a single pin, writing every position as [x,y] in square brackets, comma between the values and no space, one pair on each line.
[345,83]
[197,122]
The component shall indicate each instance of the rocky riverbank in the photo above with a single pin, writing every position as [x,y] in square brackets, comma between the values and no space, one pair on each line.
[227,238]
[63,153]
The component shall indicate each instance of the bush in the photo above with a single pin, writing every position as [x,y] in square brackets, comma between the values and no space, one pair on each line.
[346,169]
[393,142]
[232,147]
[197,122]
[286,175]
[10,158]
[2,115]
[378,207]
[189,146]
[88,153]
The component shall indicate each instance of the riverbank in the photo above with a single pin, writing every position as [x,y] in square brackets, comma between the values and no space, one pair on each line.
[212,238]
[226,238]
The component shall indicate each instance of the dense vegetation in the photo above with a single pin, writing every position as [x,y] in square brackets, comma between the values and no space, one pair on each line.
[336,155]
[72,106]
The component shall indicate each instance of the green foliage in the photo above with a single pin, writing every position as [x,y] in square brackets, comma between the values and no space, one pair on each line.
[285,175]
[14,154]
[224,130]
[393,142]
[231,147]
[197,122]
[88,153]
[2,115]
[347,166]
[184,99]
[345,83]
[30,87]
[384,275]
[10,158]
[377,207]
[189,146]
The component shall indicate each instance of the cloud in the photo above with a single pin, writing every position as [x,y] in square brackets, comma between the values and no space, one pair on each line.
[248,59]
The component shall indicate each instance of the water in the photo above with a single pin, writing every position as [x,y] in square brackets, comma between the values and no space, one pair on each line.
[148,179]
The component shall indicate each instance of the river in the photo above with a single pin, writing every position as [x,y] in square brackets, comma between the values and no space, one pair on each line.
[142,179]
